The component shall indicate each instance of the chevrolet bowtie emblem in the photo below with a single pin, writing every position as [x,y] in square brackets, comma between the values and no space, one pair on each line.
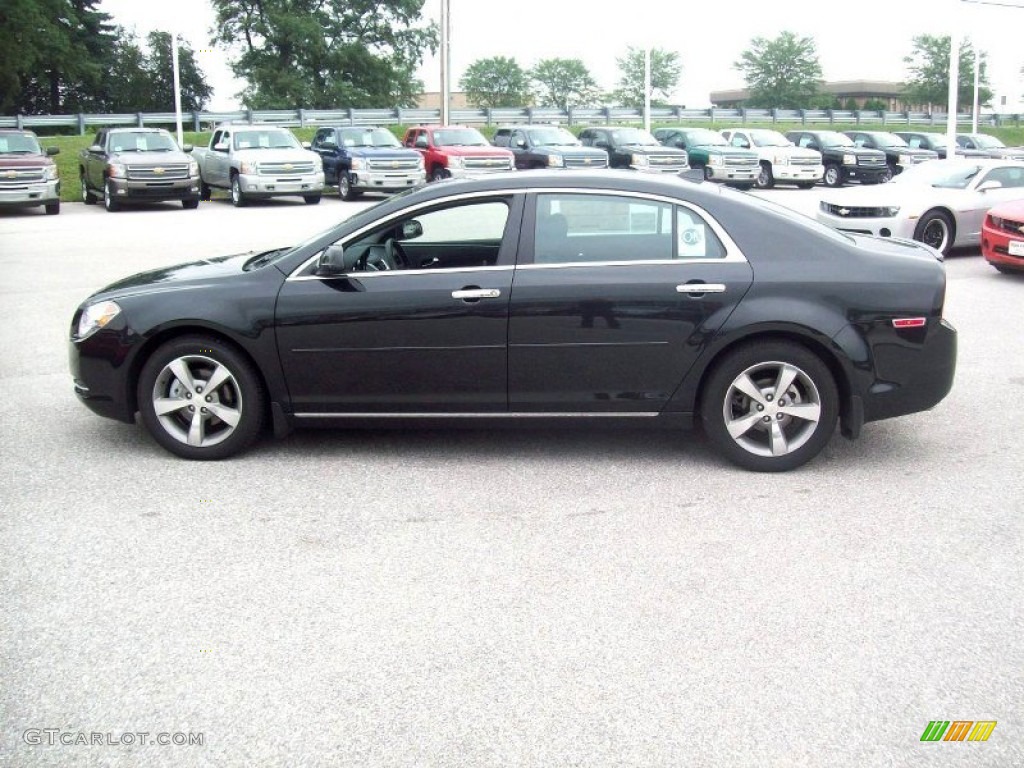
[394,163]
[586,161]
[844,211]
[12,174]
[288,166]
[158,171]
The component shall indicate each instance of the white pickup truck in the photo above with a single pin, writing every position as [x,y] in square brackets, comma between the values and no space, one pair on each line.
[254,161]
[781,160]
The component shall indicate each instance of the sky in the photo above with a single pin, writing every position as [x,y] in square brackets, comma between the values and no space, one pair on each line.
[867,43]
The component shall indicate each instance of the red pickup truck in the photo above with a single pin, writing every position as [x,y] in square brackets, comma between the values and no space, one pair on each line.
[455,151]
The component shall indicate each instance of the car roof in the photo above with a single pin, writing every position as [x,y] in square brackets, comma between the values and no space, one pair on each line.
[131,129]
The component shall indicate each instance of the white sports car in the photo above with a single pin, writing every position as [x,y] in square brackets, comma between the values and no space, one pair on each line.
[941,203]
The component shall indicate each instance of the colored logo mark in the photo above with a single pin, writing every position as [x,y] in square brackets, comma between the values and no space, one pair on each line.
[958,730]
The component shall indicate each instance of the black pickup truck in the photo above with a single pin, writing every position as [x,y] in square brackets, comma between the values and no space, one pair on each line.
[635,148]
[547,146]
[844,161]
[898,154]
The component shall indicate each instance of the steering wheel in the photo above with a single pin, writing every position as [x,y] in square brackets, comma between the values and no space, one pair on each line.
[394,254]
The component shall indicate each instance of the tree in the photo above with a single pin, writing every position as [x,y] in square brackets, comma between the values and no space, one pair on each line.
[496,82]
[53,55]
[783,72]
[195,91]
[665,71]
[928,67]
[563,83]
[325,53]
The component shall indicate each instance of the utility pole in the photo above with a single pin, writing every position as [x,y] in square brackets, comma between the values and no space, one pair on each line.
[446,62]
[647,88]
[954,80]
[177,87]
[975,106]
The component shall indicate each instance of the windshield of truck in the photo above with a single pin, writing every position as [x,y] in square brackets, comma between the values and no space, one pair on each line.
[633,137]
[552,137]
[835,139]
[19,144]
[944,175]
[378,137]
[889,140]
[762,137]
[459,137]
[266,140]
[987,142]
[142,142]
[704,137]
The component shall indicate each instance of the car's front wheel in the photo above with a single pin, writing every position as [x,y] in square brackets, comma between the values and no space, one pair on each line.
[87,197]
[833,176]
[765,179]
[887,174]
[200,398]
[439,174]
[110,201]
[935,228]
[345,189]
[237,195]
[770,407]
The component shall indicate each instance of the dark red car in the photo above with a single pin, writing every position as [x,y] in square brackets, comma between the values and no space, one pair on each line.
[1002,237]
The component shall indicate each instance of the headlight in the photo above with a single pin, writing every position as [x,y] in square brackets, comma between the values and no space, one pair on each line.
[116,170]
[716,160]
[318,164]
[903,160]
[638,159]
[248,166]
[556,161]
[420,164]
[50,173]
[849,159]
[357,164]
[890,211]
[995,221]
[193,168]
[456,162]
[96,316]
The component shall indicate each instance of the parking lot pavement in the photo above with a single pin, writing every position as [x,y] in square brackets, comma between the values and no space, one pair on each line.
[528,598]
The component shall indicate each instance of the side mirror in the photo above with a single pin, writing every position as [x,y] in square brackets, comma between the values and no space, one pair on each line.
[220,147]
[332,262]
[520,143]
[411,229]
[421,142]
[328,145]
[306,145]
[51,151]
[987,186]
[96,148]
[602,144]
[186,148]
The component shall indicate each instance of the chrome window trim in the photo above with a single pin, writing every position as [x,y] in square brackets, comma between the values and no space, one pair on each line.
[733,254]
[482,415]
[398,272]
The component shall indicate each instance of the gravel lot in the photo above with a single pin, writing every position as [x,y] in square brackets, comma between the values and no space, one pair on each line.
[532,598]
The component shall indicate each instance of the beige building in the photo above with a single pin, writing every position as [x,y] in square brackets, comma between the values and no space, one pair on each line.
[432,100]
[844,90]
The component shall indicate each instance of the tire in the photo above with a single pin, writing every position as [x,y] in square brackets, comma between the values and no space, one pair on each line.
[439,174]
[189,205]
[205,192]
[1008,270]
[87,197]
[833,176]
[743,187]
[936,229]
[345,190]
[740,390]
[193,423]
[887,174]
[52,209]
[110,202]
[806,184]
[708,173]
[311,199]
[765,179]
[237,196]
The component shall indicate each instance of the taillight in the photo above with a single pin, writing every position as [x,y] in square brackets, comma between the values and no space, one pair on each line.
[909,322]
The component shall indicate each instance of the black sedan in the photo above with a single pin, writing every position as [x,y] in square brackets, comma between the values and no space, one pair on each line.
[534,297]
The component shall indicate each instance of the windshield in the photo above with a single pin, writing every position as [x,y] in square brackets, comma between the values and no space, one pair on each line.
[552,137]
[834,139]
[944,175]
[270,139]
[702,136]
[889,140]
[378,137]
[633,137]
[765,138]
[459,137]
[19,144]
[987,142]
[142,142]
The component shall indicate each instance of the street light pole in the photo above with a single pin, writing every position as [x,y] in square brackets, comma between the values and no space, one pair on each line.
[954,81]
[177,86]
[446,89]
[975,106]
[647,88]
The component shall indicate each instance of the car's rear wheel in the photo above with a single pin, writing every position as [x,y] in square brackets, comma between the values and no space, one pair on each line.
[935,228]
[200,398]
[770,407]
[110,201]
[765,179]
[87,197]
[833,176]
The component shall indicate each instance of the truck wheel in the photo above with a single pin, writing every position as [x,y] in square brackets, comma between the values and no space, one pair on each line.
[887,174]
[189,205]
[311,199]
[237,196]
[708,173]
[109,199]
[439,174]
[52,209]
[87,197]
[833,176]
[205,193]
[806,184]
[345,190]
[765,180]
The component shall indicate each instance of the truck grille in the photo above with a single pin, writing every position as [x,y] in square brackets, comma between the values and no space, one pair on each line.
[667,162]
[484,163]
[17,178]
[804,161]
[383,166]
[158,172]
[741,161]
[872,161]
[286,169]
[585,161]
[854,211]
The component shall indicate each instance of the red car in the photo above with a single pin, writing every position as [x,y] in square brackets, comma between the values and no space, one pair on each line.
[1002,237]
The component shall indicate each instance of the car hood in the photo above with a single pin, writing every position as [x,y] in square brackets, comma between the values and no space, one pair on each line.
[276,155]
[858,151]
[1008,153]
[1012,210]
[723,149]
[193,274]
[653,149]
[148,158]
[384,153]
[24,161]
[908,197]
[476,151]
[572,149]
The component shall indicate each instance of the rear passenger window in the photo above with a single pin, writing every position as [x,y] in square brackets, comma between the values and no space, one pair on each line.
[694,238]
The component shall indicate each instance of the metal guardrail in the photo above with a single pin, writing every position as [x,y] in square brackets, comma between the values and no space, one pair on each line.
[573,116]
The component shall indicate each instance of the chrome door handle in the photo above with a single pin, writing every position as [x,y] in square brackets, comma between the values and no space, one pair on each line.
[469,294]
[701,288]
